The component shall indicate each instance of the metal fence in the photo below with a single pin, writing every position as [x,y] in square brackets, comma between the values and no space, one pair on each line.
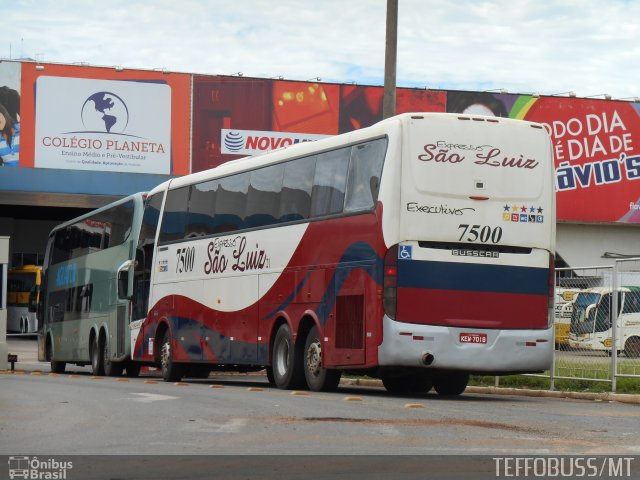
[597,333]
[588,330]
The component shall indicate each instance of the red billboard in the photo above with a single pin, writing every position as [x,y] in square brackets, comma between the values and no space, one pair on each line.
[104,119]
[236,116]
[596,147]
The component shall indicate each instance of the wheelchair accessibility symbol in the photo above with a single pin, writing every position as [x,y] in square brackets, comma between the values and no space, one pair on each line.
[405,252]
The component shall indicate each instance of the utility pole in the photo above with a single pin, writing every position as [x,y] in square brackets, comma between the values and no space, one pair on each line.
[391,49]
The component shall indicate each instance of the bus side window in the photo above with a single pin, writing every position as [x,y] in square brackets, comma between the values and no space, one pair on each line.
[231,203]
[631,302]
[329,182]
[297,185]
[201,209]
[365,169]
[175,215]
[263,199]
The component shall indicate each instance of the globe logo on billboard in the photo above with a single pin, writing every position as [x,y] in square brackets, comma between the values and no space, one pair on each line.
[234,141]
[105,112]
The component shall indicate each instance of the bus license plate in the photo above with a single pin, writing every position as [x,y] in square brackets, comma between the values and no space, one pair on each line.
[473,338]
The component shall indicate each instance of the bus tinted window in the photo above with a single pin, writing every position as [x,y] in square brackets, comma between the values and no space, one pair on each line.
[231,203]
[263,199]
[117,224]
[297,185]
[105,229]
[175,215]
[364,175]
[330,182]
[201,205]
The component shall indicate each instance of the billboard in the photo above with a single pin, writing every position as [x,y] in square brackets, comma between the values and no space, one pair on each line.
[9,114]
[103,125]
[596,148]
[105,120]
[234,116]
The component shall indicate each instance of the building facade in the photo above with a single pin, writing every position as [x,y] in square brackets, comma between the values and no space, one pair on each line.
[81,136]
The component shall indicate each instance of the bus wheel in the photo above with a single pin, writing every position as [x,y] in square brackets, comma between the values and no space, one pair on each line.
[111,369]
[414,382]
[632,347]
[318,377]
[56,367]
[286,361]
[269,371]
[132,369]
[171,372]
[97,358]
[453,383]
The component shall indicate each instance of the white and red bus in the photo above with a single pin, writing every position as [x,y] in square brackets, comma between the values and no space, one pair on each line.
[418,250]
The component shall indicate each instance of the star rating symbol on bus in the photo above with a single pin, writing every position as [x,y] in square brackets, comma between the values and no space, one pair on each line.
[522,213]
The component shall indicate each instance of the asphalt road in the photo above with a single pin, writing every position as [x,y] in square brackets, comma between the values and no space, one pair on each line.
[76,413]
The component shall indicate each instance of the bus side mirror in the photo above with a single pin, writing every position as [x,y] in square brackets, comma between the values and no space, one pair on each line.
[124,286]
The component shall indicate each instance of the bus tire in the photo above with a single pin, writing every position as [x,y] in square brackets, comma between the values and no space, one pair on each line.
[171,371]
[453,383]
[632,347]
[132,369]
[286,361]
[318,378]
[272,381]
[56,367]
[97,358]
[414,382]
[111,369]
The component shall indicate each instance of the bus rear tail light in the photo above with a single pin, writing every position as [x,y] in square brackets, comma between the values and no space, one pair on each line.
[390,282]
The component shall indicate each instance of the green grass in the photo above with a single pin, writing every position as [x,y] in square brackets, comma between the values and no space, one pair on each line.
[623,385]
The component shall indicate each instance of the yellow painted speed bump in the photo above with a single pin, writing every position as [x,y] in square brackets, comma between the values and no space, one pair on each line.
[37,372]
[122,379]
[299,393]
[153,382]
[414,405]
[352,399]
[254,389]
[54,374]
[74,376]
[215,385]
[19,372]
[181,384]
[97,378]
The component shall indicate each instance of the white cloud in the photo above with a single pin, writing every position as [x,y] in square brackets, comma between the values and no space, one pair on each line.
[587,46]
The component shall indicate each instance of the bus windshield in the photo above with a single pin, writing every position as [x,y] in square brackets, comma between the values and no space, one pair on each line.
[23,289]
[579,315]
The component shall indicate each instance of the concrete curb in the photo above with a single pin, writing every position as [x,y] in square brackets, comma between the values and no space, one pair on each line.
[597,397]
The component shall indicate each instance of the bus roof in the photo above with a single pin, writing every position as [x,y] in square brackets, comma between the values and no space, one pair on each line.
[306,148]
[140,195]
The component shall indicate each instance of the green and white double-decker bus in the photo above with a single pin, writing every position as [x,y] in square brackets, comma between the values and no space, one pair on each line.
[86,294]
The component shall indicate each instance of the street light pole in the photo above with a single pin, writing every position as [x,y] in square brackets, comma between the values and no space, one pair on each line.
[391,48]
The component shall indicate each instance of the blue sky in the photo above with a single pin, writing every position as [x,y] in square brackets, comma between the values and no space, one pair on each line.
[589,47]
